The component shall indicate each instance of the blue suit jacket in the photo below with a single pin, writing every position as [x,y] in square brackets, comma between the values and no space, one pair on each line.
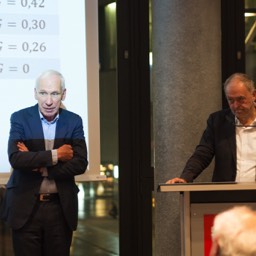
[219,141]
[24,183]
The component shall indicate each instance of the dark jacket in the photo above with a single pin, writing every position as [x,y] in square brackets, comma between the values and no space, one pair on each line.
[24,183]
[219,141]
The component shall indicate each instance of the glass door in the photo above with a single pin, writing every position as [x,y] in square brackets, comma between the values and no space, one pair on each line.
[250,38]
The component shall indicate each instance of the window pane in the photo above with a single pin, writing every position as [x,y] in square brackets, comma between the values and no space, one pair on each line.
[250,38]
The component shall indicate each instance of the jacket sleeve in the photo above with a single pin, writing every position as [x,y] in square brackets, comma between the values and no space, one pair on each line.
[36,157]
[203,154]
[78,164]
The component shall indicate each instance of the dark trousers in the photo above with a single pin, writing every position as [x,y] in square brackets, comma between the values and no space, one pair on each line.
[45,234]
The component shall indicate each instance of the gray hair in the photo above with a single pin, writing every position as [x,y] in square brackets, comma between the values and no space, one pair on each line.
[48,73]
[245,79]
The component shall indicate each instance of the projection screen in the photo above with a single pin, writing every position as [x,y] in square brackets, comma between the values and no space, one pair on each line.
[38,35]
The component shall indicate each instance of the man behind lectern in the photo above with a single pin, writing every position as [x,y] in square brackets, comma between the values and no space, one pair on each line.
[230,137]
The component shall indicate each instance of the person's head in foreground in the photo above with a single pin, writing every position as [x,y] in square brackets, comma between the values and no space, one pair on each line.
[234,232]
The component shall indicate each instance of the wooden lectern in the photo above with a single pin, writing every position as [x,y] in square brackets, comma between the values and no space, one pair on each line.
[199,203]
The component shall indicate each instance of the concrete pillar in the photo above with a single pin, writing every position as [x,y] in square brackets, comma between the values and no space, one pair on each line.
[186,80]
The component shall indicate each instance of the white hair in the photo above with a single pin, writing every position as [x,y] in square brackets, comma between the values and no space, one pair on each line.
[235,231]
[48,73]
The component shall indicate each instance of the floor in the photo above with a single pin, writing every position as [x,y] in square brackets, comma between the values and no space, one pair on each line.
[97,233]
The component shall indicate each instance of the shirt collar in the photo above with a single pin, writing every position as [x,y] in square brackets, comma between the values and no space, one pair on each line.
[46,121]
[238,123]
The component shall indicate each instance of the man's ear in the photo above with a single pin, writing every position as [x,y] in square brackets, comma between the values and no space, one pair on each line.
[35,94]
[63,95]
[254,95]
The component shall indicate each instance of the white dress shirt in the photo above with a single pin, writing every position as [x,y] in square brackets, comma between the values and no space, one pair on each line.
[49,128]
[246,152]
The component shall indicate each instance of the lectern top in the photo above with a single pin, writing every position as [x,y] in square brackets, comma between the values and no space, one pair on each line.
[206,186]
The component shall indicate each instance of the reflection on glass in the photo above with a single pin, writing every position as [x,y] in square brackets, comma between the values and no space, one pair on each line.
[81,196]
[98,226]
[250,38]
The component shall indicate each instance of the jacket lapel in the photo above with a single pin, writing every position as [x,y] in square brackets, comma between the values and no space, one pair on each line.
[230,131]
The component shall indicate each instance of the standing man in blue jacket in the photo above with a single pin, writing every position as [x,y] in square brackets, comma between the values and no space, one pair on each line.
[46,150]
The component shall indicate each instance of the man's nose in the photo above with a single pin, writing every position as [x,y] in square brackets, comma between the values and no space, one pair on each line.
[236,103]
[48,100]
